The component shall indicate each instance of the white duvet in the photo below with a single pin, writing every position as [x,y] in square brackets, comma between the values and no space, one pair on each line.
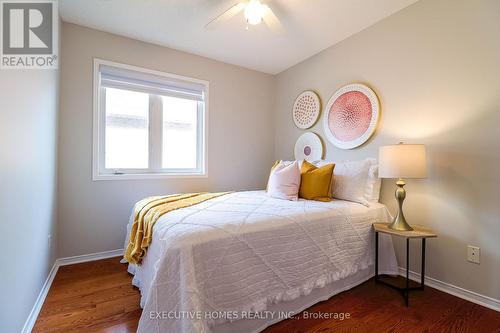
[244,251]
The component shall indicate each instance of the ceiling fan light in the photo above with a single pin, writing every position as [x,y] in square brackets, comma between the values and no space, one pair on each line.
[254,11]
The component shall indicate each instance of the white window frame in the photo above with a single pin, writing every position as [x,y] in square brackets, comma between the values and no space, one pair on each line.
[99,172]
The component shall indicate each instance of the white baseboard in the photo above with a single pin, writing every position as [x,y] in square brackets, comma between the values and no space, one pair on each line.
[35,311]
[448,288]
[30,322]
[89,257]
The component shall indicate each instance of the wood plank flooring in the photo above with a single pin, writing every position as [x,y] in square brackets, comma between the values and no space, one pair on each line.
[98,297]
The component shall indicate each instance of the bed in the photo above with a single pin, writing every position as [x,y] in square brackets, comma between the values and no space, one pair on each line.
[243,261]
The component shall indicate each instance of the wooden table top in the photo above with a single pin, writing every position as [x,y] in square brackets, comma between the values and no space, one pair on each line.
[418,231]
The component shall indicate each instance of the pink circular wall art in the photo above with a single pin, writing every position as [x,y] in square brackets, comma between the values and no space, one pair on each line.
[351,116]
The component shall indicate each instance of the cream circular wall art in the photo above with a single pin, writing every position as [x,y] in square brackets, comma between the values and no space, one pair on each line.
[308,147]
[306,109]
[351,116]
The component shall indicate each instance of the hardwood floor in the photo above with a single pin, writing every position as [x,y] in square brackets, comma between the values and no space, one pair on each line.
[98,297]
[91,297]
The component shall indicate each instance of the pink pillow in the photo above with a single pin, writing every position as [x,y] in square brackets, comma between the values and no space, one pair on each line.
[284,181]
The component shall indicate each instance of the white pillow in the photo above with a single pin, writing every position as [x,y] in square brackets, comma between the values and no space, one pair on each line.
[350,180]
[355,181]
[284,181]
[373,185]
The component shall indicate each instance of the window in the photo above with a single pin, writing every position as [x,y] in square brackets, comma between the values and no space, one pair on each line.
[147,124]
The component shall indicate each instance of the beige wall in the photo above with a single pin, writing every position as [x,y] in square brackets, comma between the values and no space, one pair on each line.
[28,141]
[435,67]
[94,214]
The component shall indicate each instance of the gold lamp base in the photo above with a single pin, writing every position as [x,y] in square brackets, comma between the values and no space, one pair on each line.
[399,222]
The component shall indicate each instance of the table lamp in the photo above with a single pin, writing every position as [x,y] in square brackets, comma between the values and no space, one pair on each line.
[402,161]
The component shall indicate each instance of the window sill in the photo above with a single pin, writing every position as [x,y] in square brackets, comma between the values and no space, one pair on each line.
[144,176]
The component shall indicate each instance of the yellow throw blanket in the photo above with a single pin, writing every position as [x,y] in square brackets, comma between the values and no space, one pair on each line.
[148,211]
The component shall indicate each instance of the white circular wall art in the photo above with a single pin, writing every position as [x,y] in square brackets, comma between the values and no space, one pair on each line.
[351,116]
[306,109]
[308,147]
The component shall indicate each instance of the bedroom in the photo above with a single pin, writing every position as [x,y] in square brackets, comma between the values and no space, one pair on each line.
[429,70]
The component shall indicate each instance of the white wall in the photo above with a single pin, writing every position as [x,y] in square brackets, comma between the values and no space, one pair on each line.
[93,214]
[28,127]
[435,67]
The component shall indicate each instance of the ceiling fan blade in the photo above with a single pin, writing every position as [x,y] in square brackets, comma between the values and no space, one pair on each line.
[225,16]
[272,21]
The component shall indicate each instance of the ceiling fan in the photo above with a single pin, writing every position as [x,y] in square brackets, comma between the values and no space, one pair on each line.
[255,12]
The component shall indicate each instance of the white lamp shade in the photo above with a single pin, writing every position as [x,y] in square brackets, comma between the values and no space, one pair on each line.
[402,161]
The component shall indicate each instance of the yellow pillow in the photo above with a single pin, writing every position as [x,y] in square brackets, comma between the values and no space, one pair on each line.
[315,183]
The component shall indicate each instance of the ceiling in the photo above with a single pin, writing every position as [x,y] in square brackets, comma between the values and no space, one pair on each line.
[310,26]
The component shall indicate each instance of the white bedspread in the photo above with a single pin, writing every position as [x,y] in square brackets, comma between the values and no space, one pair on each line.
[243,251]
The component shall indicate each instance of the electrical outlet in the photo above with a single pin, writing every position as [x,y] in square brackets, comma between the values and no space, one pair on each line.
[473,254]
[49,240]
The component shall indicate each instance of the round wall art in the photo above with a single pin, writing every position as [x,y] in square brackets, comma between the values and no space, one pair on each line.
[306,109]
[351,116]
[308,147]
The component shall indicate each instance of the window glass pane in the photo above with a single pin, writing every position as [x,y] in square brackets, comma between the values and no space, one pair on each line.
[127,129]
[180,122]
